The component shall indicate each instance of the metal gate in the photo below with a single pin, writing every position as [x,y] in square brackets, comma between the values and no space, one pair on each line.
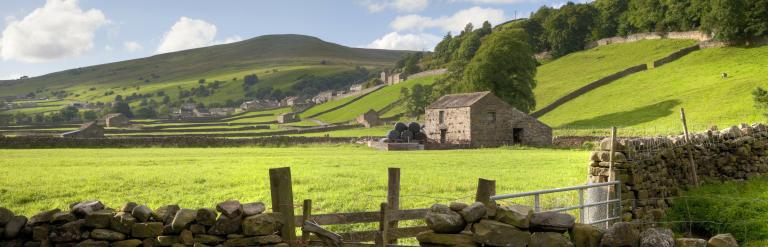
[598,206]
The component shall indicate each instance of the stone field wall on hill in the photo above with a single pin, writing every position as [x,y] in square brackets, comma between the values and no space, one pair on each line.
[654,170]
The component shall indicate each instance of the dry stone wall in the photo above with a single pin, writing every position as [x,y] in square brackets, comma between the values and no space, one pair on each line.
[56,142]
[693,35]
[459,224]
[93,224]
[654,170]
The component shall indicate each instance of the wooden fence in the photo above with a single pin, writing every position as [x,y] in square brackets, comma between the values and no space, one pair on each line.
[387,217]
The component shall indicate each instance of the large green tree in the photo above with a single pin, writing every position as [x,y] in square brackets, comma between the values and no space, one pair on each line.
[725,19]
[504,65]
[570,28]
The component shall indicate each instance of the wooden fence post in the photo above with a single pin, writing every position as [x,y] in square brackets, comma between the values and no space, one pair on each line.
[305,216]
[393,198]
[282,202]
[383,226]
[690,150]
[486,189]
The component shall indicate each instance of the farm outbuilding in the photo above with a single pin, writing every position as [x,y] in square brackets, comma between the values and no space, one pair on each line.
[87,130]
[369,119]
[115,120]
[482,120]
[287,118]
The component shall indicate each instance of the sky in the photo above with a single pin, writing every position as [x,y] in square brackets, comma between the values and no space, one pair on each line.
[45,36]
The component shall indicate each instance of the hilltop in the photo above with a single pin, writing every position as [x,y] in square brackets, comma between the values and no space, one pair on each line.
[278,60]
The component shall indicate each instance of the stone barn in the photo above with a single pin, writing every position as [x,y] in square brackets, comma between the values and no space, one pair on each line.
[369,119]
[115,120]
[287,118]
[482,120]
[87,130]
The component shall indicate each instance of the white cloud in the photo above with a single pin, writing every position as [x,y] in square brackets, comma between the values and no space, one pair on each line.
[10,77]
[132,46]
[454,23]
[108,48]
[59,29]
[188,34]
[231,39]
[413,42]
[399,5]
[9,19]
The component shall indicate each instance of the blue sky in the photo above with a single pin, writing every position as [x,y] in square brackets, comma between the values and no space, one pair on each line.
[44,36]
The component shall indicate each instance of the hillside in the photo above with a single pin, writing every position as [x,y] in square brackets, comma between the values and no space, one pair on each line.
[649,102]
[278,60]
[377,101]
[566,74]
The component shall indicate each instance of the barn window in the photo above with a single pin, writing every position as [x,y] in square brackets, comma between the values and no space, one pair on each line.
[492,116]
[442,117]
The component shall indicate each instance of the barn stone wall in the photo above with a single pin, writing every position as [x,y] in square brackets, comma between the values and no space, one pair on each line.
[93,224]
[179,141]
[489,133]
[456,121]
[654,170]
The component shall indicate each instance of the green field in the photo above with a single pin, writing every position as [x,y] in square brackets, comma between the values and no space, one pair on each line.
[566,74]
[649,102]
[377,101]
[337,178]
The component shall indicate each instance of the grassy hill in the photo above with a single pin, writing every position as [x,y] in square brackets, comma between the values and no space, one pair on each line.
[377,101]
[566,74]
[278,60]
[649,102]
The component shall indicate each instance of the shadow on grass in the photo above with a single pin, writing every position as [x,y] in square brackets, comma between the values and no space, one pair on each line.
[627,118]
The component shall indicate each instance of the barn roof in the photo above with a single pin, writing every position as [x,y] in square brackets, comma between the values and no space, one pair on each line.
[458,100]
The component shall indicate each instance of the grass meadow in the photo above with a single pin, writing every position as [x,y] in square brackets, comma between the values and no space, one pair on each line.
[650,101]
[344,178]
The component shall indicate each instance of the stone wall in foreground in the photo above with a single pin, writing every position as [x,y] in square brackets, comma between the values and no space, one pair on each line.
[654,170]
[92,224]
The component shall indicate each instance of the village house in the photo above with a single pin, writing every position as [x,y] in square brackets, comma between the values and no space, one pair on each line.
[289,101]
[201,112]
[259,104]
[87,130]
[369,119]
[323,97]
[287,118]
[222,112]
[114,120]
[392,79]
[482,120]
[356,87]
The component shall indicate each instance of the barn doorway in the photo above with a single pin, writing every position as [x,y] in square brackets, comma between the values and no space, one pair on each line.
[442,135]
[517,136]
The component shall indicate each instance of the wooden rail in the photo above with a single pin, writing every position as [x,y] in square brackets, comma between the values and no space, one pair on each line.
[387,217]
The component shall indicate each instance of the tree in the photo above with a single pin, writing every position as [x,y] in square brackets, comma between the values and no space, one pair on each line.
[504,65]
[250,80]
[569,28]
[122,107]
[90,115]
[146,112]
[756,18]
[760,96]
[610,19]
[69,113]
[416,100]
[725,19]
[646,15]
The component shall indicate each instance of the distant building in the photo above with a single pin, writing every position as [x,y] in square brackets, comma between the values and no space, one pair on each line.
[323,97]
[287,118]
[357,87]
[256,105]
[114,120]
[289,101]
[482,120]
[392,79]
[369,119]
[222,112]
[87,130]
[201,112]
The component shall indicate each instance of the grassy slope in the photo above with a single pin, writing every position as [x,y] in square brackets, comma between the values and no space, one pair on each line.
[290,55]
[376,101]
[194,178]
[566,74]
[651,100]
[326,106]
